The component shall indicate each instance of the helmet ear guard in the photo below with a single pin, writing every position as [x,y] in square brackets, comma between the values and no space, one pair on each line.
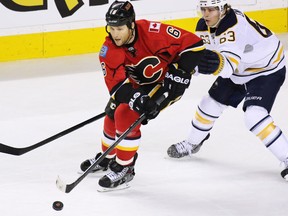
[120,13]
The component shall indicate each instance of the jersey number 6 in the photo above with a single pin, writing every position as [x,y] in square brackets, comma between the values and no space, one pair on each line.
[173,32]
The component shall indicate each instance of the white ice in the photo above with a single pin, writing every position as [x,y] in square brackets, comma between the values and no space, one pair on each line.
[232,175]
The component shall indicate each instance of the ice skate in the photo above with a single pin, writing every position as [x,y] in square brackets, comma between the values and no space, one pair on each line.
[184,148]
[284,173]
[102,166]
[118,178]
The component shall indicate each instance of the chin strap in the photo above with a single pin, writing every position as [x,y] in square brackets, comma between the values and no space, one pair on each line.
[131,36]
[222,15]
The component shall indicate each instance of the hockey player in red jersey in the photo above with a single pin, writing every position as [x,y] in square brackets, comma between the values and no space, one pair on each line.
[140,61]
[250,62]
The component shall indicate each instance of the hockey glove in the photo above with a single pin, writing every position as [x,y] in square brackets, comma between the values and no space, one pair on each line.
[176,81]
[111,107]
[211,63]
[142,103]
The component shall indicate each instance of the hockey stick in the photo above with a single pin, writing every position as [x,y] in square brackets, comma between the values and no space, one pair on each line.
[69,187]
[19,151]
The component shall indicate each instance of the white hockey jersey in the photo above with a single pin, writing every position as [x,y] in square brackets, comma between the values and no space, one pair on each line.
[249,48]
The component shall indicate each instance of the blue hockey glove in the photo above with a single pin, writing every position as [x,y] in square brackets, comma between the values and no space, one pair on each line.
[212,62]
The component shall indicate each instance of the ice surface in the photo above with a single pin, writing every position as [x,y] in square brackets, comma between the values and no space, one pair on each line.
[232,175]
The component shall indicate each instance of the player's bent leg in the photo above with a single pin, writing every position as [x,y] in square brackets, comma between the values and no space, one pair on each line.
[122,169]
[108,139]
[208,111]
[260,123]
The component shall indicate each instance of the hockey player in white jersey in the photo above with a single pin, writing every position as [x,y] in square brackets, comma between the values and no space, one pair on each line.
[249,62]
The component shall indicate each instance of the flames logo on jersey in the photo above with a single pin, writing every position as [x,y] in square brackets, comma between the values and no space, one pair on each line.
[147,70]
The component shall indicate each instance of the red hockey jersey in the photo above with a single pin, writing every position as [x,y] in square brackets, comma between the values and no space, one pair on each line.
[155,47]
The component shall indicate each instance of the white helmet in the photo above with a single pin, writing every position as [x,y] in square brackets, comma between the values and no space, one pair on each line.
[213,3]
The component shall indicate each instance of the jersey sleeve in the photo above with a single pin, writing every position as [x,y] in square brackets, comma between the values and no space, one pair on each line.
[233,45]
[112,67]
[230,39]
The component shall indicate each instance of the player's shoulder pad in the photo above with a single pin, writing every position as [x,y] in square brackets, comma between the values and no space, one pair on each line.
[201,25]
[142,22]
[108,52]
[227,22]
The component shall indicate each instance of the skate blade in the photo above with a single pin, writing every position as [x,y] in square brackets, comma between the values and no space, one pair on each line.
[120,187]
[98,173]
[184,158]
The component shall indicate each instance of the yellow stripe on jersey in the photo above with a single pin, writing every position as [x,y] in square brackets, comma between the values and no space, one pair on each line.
[201,119]
[125,148]
[196,49]
[105,144]
[266,131]
[254,70]
[233,60]
[280,54]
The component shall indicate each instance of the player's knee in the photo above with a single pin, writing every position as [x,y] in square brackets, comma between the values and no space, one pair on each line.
[109,127]
[254,115]
[124,118]
[211,107]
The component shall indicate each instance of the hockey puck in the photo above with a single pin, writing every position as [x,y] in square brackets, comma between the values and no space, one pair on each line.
[58,205]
